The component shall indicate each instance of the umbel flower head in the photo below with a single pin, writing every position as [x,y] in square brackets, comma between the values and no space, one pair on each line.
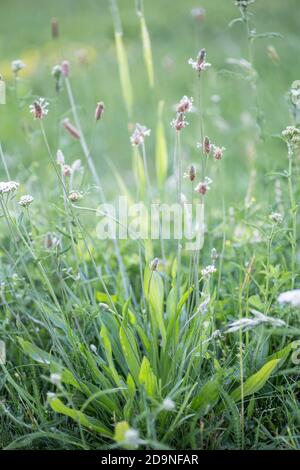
[26,200]
[292,135]
[276,217]
[200,63]
[39,108]
[139,134]
[8,187]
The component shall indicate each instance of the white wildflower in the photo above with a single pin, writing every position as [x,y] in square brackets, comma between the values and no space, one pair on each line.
[8,186]
[291,297]
[168,404]
[208,270]
[25,200]
[292,135]
[93,348]
[131,438]
[276,217]
[51,396]
[55,379]
[17,65]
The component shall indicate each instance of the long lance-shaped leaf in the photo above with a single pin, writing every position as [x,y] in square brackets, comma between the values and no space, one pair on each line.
[254,383]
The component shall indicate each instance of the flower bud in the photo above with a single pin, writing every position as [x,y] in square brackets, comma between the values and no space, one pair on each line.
[99,110]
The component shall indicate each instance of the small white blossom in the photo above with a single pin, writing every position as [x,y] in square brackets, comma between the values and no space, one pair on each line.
[93,348]
[26,200]
[139,135]
[55,379]
[291,134]
[291,297]
[168,404]
[208,270]
[17,65]
[8,186]
[131,438]
[276,217]
[51,396]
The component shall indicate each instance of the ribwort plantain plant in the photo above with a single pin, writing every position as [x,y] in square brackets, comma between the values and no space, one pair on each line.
[142,342]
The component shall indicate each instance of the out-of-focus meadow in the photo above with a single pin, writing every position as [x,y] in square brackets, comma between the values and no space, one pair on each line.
[86,39]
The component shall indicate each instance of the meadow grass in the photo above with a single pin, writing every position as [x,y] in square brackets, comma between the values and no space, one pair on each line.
[142,343]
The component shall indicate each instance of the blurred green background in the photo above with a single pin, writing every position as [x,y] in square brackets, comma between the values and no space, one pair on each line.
[87,41]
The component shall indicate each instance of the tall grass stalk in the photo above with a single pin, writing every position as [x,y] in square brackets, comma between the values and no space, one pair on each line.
[293,211]
[96,178]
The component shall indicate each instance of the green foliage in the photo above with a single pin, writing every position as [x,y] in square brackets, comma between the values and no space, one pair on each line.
[87,361]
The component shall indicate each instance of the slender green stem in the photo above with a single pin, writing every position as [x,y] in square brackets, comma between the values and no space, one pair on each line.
[96,178]
[293,211]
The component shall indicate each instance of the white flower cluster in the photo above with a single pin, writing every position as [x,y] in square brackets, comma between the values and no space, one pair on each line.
[276,217]
[8,186]
[26,200]
[208,270]
[291,297]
